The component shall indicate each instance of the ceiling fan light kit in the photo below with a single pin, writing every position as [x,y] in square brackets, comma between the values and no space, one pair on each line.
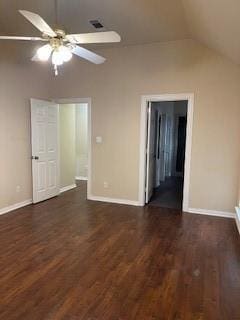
[44,52]
[57,50]
[60,46]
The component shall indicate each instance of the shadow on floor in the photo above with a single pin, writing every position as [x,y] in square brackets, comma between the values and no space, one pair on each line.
[169,194]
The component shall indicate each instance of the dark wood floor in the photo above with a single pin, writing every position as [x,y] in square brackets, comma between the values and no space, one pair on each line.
[73,259]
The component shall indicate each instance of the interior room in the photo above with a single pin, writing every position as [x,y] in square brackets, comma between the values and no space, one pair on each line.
[120,160]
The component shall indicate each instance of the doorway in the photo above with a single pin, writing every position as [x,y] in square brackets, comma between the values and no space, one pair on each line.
[74,145]
[61,146]
[169,121]
[165,150]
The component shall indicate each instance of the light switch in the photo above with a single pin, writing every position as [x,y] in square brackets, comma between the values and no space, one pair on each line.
[98,139]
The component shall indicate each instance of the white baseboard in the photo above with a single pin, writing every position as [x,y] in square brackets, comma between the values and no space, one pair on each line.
[15,206]
[238,218]
[81,178]
[112,200]
[67,188]
[212,213]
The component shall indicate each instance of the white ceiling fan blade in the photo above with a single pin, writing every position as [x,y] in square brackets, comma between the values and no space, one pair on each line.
[38,22]
[96,37]
[22,38]
[88,55]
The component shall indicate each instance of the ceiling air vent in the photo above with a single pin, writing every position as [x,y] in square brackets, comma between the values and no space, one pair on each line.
[96,24]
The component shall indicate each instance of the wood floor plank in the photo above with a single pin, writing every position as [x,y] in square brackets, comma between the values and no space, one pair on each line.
[73,259]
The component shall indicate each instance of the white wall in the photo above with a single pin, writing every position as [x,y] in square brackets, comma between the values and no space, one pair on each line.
[67,145]
[82,140]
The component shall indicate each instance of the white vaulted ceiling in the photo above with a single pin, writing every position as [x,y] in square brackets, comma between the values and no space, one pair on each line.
[214,23]
[142,21]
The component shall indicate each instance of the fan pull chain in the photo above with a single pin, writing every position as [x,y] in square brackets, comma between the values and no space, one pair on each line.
[55,70]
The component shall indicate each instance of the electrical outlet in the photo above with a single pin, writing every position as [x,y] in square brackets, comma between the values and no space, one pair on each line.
[18,189]
[105,185]
[99,139]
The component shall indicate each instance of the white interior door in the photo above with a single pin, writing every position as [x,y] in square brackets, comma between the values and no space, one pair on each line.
[150,153]
[45,157]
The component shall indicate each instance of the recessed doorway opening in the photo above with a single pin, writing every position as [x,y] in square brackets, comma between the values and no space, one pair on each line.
[73,145]
[167,124]
[165,150]
[75,137]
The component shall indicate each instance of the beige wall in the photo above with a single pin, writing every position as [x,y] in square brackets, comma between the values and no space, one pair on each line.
[19,82]
[239,194]
[82,140]
[174,67]
[67,144]
[116,88]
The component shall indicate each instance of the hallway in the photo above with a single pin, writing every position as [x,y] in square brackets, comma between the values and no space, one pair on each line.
[169,194]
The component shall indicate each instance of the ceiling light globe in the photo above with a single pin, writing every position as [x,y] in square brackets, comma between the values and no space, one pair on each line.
[44,52]
[57,58]
[66,53]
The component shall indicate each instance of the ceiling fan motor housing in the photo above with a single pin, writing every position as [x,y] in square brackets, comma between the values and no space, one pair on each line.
[56,42]
[60,33]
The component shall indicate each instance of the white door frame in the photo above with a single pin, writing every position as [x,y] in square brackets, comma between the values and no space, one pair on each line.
[143,136]
[150,147]
[89,102]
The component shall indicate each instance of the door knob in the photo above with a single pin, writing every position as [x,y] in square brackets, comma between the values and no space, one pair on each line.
[35,158]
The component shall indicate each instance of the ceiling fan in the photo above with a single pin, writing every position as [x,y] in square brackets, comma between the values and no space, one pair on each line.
[61,46]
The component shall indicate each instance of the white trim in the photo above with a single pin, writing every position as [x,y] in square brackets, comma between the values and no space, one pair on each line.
[81,178]
[149,187]
[15,206]
[89,102]
[89,172]
[212,213]
[67,188]
[112,200]
[238,218]
[71,100]
[143,127]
